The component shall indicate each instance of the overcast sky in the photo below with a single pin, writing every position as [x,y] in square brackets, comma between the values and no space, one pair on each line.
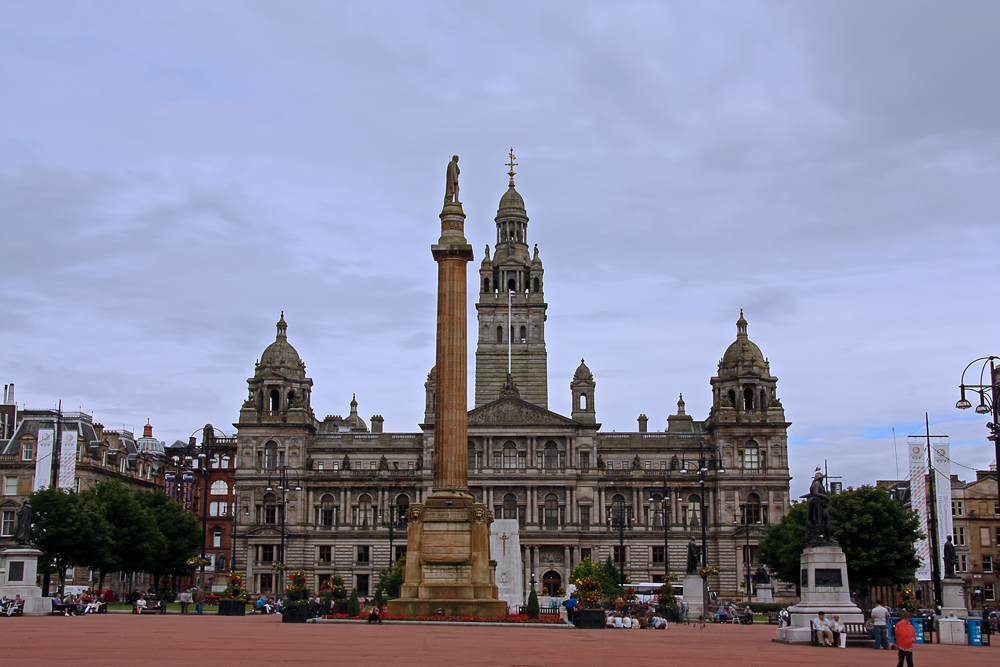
[174,174]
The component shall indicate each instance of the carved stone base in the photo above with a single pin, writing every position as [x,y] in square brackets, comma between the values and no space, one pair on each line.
[953,598]
[694,595]
[824,588]
[18,578]
[448,568]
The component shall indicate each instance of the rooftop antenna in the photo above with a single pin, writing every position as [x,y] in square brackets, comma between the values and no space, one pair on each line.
[894,453]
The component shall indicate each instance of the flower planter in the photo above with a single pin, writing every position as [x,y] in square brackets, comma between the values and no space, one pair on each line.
[232,608]
[590,619]
[299,615]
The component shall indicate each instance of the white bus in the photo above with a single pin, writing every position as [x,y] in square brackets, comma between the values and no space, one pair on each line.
[649,592]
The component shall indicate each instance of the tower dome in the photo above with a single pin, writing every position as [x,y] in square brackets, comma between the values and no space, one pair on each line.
[280,357]
[743,354]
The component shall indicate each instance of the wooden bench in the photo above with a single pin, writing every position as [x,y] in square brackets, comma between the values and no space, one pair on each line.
[854,632]
[153,606]
[15,608]
[57,609]
[773,618]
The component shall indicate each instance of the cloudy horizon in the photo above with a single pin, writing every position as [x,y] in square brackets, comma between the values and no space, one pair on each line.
[174,175]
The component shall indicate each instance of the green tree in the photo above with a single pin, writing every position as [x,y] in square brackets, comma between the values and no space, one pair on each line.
[67,530]
[133,537]
[180,532]
[608,578]
[533,610]
[392,579]
[878,536]
[353,606]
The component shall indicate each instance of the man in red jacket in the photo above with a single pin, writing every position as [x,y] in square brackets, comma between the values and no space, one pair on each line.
[905,634]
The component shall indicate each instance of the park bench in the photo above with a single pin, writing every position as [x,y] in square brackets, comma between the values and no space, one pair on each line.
[773,618]
[57,609]
[153,606]
[14,608]
[854,632]
[542,611]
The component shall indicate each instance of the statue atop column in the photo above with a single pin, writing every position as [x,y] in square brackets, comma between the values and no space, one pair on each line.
[24,519]
[451,182]
[692,557]
[818,526]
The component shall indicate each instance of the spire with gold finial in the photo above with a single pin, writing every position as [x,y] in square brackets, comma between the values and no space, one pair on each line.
[511,164]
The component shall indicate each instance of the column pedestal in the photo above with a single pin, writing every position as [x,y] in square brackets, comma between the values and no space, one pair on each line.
[953,598]
[20,570]
[824,588]
[765,593]
[694,595]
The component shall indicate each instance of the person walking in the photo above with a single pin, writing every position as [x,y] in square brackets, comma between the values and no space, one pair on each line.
[185,599]
[880,624]
[905,634]
[199,599]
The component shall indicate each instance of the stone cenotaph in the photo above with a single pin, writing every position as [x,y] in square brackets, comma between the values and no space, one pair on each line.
[505,545]
[823,573]
[448,569]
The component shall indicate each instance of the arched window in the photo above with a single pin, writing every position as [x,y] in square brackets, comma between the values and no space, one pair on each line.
[219,488]
[583,402]
[656,508]
[365,511]
[732,398]
[551,583]
[275,404]
[402,505]
[273,458]
[510,506]
[751,456]
[763,401]
[270,508]
[617,515]
[748,399]
[551,455]
[524,334]
[537,285]
[291,397]
[327,511]
[692,511]
[509,455]
[752,510]
[499,334]
[551,511]
[486,284]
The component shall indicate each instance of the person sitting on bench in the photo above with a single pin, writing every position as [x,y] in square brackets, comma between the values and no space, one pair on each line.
[824,630]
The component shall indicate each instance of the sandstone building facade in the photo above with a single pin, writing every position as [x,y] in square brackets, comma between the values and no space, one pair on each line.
[327,495]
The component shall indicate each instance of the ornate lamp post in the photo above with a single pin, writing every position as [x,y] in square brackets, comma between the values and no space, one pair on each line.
[283,478]
[988,394]
[704,467]
[747,522]
[665,513]
[620,519]
[392,521]
[204,453]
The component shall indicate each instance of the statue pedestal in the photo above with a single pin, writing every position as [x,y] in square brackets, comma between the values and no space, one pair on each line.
[765,593]
[951,630]
[824,588]
[448,568]
[20,570]
[953,598]
[694,595]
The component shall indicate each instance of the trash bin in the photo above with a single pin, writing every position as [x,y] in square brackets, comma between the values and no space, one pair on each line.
[918,627]
[892,629]
[974,630]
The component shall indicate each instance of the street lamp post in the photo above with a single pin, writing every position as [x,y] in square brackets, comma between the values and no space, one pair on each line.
[665,503]
[283,478]
[703,469]
[746,532]
[206,451]
[988,395]
[391,524]
[620,519]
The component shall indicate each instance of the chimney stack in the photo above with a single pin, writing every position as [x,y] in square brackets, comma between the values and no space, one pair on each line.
[643,420]
[377,422]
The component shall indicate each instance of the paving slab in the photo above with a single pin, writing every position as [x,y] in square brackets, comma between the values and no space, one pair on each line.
[172,640]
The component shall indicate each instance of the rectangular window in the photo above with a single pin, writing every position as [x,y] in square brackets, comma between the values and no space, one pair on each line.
[987,564]
[319,466]
[336,466]
[996,508]
[989,592]
[585,516]
[663,465]
[624,465]
[266,553]
[522,459]
[958,508]
[217,538]
[373,465]
[984,537]
[658,555]
[76,484]
[584,553]
[751,458]
[959,536]
[326,554]
[585,460]
[362,580]
[27,451]
[266,583]
[538,459]
[649,465]
[963,563]
[10,486]
[409,465]
[364,555]
[400,552]
[7,524]
[619,556]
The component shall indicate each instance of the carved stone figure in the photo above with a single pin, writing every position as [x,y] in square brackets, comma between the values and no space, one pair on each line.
[636,463]
[950,560]
[383,463]
[692,559]
[675,463]
[818,526]
[761,576]
[24,518]
[420,461]
[346,465]
[600,462]
[451,183]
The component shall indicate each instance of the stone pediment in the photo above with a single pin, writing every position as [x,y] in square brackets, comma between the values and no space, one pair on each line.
[512,411]
[264,531]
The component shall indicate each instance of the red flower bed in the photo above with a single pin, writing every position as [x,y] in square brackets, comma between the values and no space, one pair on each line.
[513,618]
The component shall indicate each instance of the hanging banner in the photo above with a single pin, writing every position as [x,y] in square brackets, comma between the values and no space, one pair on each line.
[942,490]
[187,491]
[43,459]
[170,485]
[918,501]
[67,460]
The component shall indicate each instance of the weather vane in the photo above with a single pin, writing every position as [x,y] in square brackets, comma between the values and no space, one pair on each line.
[511,164]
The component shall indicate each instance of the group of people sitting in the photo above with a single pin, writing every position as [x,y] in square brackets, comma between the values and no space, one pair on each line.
[636,619]
[268,605]
[78,605]
[11,606]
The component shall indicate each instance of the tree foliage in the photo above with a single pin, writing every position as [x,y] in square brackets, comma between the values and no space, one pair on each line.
[533,611]
[180,530]
[68,530]
[606,573]
[878,536]
[353,606]
[391,579]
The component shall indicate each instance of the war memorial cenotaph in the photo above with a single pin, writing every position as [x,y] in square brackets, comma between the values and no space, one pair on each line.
[448,568]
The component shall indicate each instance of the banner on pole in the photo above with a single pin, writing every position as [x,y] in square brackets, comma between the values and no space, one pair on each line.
[43,459]
[67,460]
[918,501]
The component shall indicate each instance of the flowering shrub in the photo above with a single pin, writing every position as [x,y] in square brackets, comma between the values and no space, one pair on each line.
[296,593]
[590,592]
[513,618]
[234,588]
[905,601]
[335,585]
[198,561]
[709,571]
[278,567]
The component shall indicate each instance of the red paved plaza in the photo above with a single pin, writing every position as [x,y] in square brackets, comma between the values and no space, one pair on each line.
[175,641]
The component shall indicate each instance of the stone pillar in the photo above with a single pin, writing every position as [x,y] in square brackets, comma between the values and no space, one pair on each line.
[448,567]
